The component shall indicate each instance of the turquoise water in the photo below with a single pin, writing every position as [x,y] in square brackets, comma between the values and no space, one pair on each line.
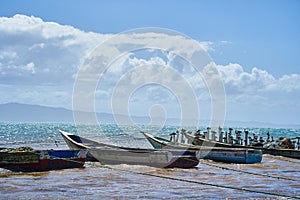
[126,182]
[41,135]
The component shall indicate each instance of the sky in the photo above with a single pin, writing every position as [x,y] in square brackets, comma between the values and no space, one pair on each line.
[254,44]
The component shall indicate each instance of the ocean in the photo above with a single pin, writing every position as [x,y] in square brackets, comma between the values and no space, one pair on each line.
[273,178]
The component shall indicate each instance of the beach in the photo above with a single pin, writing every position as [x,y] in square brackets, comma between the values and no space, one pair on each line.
[273,178]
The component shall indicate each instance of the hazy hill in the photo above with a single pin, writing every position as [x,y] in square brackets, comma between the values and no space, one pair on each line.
[15,112]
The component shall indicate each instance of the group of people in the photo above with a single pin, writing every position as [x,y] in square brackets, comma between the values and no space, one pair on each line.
[255,141]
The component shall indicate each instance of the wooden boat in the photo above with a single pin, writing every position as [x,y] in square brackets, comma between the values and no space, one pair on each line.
[290,153]
[29,160]
[111,154]
[199,141]
[230,155]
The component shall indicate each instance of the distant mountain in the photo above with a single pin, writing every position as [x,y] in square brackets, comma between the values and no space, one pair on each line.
[15,112]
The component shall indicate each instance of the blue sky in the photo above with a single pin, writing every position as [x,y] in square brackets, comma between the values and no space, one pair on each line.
[262,33]
[256,42]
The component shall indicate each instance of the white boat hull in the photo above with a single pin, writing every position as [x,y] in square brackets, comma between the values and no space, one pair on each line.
[110,154]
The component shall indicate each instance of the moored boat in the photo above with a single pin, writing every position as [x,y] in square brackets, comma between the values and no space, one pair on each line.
[289,153]
[230,155]
[220,154]
[266,149]
[111,154]
[26,159]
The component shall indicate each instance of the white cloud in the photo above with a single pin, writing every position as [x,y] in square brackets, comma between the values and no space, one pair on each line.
[30,67]
[259,96]
[33,51]
[288,83]
[36,52]
[258,81]
[256,87]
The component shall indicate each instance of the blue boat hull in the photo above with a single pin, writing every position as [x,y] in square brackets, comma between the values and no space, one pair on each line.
[219,154]
[242,156]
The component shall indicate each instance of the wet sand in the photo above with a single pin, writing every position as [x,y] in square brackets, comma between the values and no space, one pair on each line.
[274,175]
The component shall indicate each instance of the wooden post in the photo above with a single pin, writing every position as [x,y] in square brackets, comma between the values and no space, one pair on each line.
[220,134]
[246,137]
